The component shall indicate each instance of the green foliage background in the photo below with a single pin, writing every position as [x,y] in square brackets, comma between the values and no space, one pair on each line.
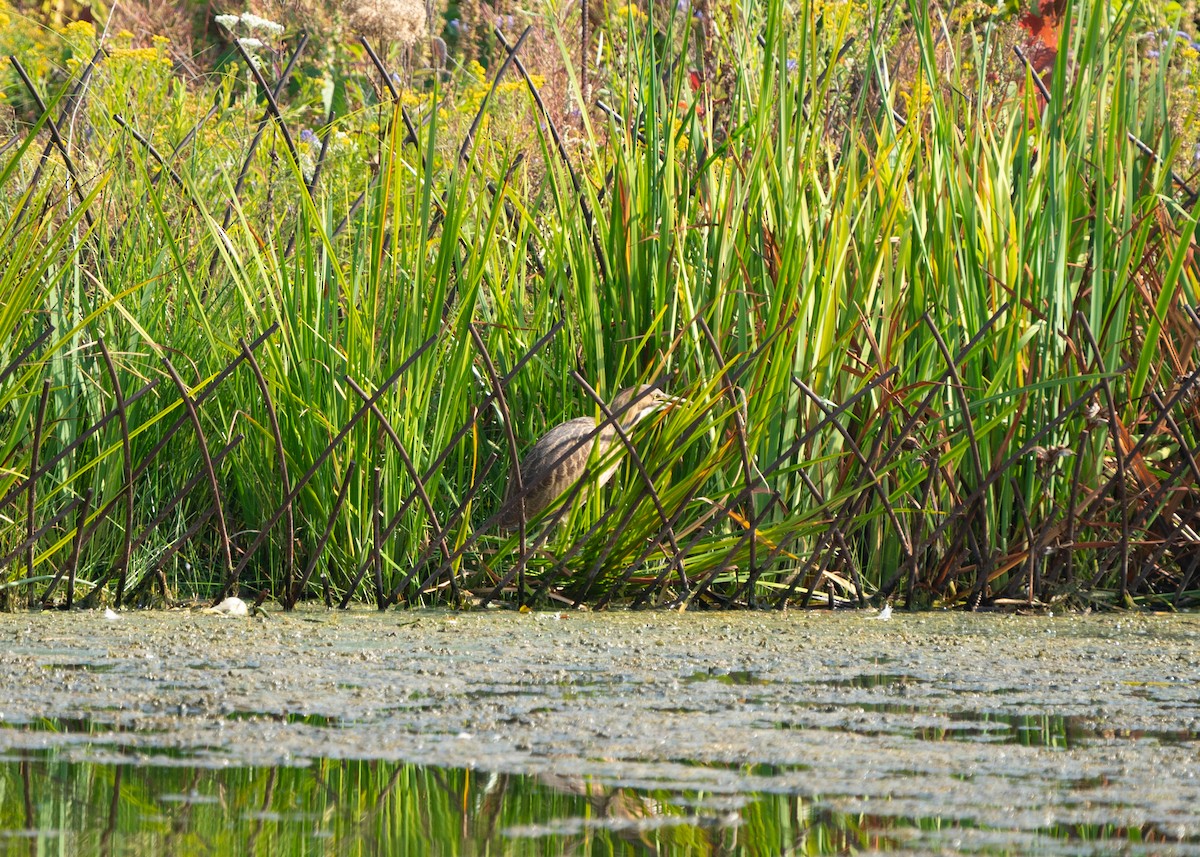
[844,222]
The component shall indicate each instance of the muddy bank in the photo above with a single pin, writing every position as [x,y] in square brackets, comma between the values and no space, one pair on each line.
[1006,721]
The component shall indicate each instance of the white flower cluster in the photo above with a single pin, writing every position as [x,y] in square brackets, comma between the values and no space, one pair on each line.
[398,21]
[252,24]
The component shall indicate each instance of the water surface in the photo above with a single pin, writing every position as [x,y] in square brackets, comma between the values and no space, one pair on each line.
[556,733]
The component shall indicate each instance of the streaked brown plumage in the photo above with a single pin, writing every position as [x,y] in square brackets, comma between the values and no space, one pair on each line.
[560,457]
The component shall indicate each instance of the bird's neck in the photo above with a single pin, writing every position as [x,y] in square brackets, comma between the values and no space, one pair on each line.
[627,420]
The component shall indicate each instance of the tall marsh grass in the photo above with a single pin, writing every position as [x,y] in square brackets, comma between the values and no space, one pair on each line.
[935,331]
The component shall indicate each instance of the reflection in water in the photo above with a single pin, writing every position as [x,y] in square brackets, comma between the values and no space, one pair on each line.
[56,801]
[732,677]
[352,806]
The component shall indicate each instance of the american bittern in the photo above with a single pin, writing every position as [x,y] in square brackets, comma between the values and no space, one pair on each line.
[560,457]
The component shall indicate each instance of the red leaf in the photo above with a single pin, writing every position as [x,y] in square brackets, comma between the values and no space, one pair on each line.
[1043,28]
[1044,25]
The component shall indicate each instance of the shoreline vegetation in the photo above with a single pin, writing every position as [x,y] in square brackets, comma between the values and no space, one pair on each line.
[279,312]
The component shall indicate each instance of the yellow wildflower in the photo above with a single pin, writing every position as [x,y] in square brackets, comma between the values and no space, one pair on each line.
[629,10]
[139,56]
[79,31]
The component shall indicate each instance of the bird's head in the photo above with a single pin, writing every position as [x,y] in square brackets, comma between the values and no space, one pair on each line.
[634,404]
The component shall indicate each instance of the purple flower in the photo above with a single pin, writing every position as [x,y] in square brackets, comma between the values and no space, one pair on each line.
[455,25]
[1152,54]
[1186,39]
[307,136]
[792,65]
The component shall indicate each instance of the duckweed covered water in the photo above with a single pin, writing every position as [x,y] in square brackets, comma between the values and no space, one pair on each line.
[643,733]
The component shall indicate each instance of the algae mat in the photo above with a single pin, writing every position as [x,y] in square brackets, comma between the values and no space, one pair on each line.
[498,732]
